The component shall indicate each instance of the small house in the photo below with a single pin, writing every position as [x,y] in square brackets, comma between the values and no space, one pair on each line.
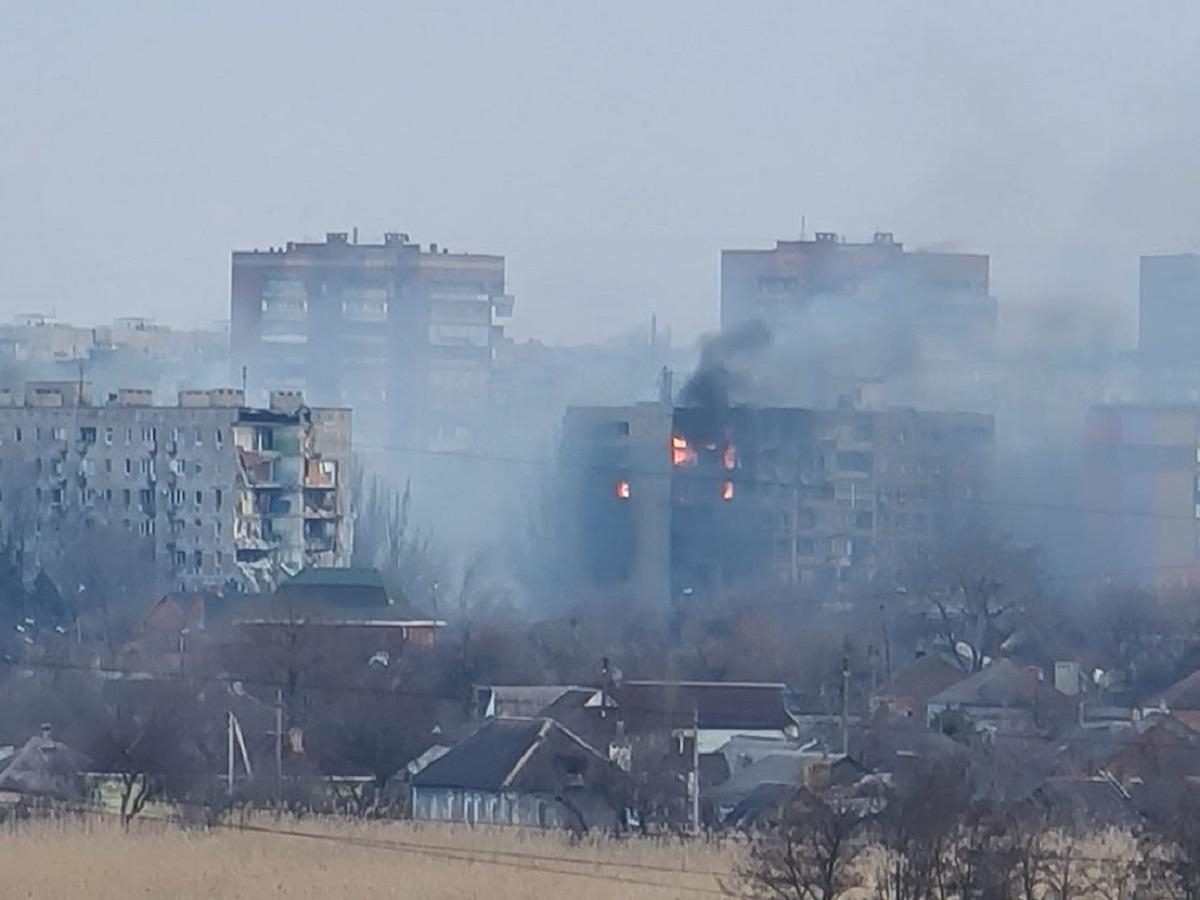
[527,771]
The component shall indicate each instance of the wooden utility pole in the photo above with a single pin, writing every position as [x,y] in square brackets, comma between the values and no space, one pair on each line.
[229,758]
[695,798]
[845,706]
[279,740]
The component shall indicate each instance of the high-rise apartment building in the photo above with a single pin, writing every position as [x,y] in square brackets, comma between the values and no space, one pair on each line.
[223,493]
[406,336]
[842,312]
[1142,492]
[705,500]
[1169,309]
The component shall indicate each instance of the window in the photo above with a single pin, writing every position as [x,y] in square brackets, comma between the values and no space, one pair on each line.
[108,437]
[218,438]
[199,498]
[217,498]
[87,435]
[178,496]
[108,495]
[129,467]
[56,496]
[37,468]
[128,435]
[198,560]
[127,496]
[175,435]
[144,466]
[17,435]
[145,499]
[149,434]
[178,467]
[180,558]
[217,527]
[146,527]
[199,437]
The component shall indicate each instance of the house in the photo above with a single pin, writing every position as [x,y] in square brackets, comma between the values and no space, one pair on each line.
[525,700]
[1181,700]
[45,767]
[347,613]
[715,710]
[1002,698]
[355,588]
[527,771]
[913,685]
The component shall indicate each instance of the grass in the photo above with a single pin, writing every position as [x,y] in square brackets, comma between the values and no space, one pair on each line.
[97,860]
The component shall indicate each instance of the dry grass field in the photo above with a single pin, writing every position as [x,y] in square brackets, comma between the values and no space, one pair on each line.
[97,860]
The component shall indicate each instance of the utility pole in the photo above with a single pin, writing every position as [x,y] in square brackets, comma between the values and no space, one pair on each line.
[229,760]
[887,644]
[695,811]
[279,740]
[845,706]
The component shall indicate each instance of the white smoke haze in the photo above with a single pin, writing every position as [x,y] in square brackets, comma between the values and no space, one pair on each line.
[610,155]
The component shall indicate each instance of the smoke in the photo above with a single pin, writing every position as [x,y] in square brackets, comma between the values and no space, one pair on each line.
[726,367]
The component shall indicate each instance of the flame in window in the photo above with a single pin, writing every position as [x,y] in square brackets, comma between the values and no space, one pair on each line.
[729,458]
[622,489]
[727,490]
[681,453]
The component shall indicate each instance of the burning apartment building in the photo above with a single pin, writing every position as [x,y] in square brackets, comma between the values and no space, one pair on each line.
[681,501]
[408,337]
[842,312]
[223,494]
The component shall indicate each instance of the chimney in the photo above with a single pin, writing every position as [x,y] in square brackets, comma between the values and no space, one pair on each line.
[1067,677]
[47,732]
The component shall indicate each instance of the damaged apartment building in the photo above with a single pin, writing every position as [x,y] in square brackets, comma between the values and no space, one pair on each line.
[411,338]
[680,501]
[224,494]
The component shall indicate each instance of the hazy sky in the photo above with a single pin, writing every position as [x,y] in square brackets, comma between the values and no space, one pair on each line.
[609,150]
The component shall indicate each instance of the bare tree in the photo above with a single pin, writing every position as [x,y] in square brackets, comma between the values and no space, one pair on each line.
[149,735]
[976,589]
[920,831]
[386,539]
[809,854]
[1171,846]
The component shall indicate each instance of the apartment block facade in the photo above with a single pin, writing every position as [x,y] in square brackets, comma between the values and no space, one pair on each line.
[224,494]
[408,337]
[1142,492]
[691,502]
[924,321]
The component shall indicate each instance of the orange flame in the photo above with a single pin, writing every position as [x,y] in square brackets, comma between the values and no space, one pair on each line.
[681,453]
[727,490]
[622,489]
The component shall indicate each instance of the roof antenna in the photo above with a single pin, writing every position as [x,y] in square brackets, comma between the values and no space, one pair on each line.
[803,228]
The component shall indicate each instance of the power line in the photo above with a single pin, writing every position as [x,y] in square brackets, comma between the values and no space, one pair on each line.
[501,858]
[668,472]
[647,712]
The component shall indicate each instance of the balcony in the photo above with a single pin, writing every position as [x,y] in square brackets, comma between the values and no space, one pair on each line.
[502,305]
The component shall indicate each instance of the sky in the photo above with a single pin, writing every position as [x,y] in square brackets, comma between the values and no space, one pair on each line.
[608,150]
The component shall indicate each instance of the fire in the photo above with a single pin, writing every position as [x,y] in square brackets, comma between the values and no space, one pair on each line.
[681,453]
[727,490]
[622,489]
[729,458]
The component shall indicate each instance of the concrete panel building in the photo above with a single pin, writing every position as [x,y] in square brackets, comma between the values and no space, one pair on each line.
[923,321]
[697,502]
[226,495]
[1142,500]
[407,337]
